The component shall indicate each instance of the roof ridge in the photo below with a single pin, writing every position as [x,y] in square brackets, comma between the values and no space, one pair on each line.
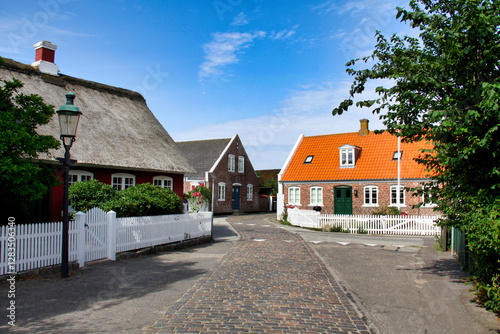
[63,79]
[344,133]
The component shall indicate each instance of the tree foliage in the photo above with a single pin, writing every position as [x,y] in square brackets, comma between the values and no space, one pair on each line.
[22,178]
[445,88]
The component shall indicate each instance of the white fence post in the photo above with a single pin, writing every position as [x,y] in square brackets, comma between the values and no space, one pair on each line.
[111,215]
[280,202]
[80,228]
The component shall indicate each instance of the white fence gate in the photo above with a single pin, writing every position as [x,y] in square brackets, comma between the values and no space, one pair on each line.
[96,234]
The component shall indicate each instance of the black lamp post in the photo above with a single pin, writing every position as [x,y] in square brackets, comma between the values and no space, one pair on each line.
[69,115]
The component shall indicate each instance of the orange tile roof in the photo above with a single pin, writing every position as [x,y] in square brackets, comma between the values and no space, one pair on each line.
[375,161]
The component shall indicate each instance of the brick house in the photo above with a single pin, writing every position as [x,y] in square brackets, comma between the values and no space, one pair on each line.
[223,165]
[119,140]
[353,173]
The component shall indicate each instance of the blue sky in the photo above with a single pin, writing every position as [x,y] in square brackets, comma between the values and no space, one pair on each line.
[267,70]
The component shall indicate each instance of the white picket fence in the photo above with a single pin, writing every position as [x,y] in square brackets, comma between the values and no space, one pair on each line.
[94,235]
[395,225]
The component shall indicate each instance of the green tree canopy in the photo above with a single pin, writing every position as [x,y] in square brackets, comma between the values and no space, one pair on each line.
[22,178]
[445,88]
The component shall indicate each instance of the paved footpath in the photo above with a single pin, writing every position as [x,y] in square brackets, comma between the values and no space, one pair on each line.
[269,282]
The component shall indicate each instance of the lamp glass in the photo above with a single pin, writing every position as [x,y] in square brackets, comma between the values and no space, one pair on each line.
[68,122]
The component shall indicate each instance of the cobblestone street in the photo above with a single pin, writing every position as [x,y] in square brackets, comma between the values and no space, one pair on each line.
[270,282]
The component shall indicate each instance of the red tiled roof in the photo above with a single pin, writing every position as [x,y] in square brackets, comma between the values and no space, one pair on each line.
[375,161]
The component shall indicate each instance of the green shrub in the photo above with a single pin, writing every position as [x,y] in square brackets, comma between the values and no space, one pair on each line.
[141,200]
[337,228]
[144,200]
[361,230]
[387,211]
[86,195]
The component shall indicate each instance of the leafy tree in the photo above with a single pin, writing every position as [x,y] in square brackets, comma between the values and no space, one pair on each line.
[22,178]
[445,88]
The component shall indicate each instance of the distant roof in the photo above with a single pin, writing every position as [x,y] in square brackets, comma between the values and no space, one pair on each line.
[203,154]
[116,128]
[375,161]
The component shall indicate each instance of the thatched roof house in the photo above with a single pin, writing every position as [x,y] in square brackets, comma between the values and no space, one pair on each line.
[117,132]
[116,128]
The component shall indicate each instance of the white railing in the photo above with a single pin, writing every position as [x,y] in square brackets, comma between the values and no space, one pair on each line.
[394,225]
[140,232]
[34,246]
[94,235]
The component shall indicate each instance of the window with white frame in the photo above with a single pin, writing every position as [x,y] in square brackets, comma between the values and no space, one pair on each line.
[163,181]
[122,181]
[371,196]
[249,192]
[347,156]
[294,195]
[316,196]
[241,164]
[231,163]
[221,192]
[79,176]
[394,194]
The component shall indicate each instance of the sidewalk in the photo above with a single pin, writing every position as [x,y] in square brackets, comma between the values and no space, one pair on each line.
[118,297]
[269,282]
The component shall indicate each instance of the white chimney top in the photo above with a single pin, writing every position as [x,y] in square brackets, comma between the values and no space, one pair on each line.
[44,58]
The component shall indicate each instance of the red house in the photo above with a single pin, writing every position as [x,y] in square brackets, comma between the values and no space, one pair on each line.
[119,140]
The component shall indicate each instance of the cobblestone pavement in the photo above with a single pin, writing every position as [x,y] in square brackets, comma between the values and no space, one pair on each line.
[269,282]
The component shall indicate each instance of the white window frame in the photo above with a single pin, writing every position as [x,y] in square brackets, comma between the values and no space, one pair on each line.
[249,192]
[231,162]
[241,164]
[221,191]
[349,152]
[294,198]
[122,184]
[393,198]
[371,190]
[80,175]
[164,182]
[316,196]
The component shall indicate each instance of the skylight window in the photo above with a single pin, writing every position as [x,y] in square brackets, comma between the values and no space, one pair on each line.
[397,154]
[309,159]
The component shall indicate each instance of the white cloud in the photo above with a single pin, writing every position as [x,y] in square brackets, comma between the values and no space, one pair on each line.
[269,138]
[223,50]
[240,20]
[283,34]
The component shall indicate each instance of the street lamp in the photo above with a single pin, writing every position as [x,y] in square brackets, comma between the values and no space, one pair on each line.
[69,115]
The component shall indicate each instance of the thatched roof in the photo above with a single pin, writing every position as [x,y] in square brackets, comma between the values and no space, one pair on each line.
[203,154]
[116,128]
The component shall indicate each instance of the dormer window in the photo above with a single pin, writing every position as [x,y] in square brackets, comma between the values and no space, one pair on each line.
[348,155]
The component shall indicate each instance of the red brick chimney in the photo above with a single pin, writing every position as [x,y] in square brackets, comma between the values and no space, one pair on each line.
[363,131]
[44,58]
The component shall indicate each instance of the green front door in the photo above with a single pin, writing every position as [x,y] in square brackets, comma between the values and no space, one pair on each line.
[343,201]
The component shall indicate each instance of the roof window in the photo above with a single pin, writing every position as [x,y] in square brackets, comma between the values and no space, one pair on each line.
[309,159]
[397,154]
